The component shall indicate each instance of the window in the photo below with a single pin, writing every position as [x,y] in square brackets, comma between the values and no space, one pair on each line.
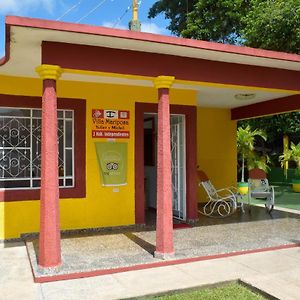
[20,148]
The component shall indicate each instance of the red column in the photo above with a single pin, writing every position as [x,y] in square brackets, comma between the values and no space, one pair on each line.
[49,239]
[164,219]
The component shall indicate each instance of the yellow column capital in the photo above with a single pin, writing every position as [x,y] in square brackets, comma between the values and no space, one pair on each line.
[49,71]
[163,82]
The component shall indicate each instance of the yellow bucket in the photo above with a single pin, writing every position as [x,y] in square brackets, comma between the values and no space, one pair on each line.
[296,186]
[243,188]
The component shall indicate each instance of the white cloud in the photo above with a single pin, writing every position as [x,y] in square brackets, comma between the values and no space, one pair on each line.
[153,28]
[112,25]
[21,6]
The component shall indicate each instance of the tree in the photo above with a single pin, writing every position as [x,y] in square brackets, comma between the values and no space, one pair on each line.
[266,24]
[255,160]
[175,10]
[273,25]
[293,154]
[245,144]
[211,20]
[276,126]
[219,21]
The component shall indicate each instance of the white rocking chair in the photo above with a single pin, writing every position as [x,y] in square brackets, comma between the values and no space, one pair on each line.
[222,202]
[259,188]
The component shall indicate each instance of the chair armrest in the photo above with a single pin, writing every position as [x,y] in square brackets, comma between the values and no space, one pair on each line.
[226,190]
[233,189]
[223,198]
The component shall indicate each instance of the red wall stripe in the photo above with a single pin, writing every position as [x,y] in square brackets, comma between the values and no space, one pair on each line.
[91,58]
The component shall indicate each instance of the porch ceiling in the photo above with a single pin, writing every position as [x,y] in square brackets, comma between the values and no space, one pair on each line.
[25,36]
[208,95]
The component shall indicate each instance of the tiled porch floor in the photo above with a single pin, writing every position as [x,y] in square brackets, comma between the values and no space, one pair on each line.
[109,250]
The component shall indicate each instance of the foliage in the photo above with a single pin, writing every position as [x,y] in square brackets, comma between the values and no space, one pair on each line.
[219,21]
[231,291]
[277,125]
[211,20]
[273,25]
[266,24]
[293,154]
[254,160]
[174,10]
[245,144]
[246,138]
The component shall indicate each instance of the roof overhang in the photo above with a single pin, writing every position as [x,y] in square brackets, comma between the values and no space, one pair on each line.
[24,37]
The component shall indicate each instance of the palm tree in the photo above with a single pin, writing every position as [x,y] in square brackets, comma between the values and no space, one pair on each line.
[254,160]
[245,144]
[292,154]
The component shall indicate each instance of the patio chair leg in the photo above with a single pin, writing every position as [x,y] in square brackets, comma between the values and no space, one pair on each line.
[249,208]
[242,208]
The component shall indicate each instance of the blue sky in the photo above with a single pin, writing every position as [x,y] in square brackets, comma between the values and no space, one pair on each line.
[107,14]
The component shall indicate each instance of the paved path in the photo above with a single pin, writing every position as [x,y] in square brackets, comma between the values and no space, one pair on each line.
[108,250]
[275,272]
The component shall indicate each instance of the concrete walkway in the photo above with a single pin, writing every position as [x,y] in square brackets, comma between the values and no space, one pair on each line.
[275,272]
[99,252]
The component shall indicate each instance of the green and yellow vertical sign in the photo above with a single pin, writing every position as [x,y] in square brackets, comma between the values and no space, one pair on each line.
[112,160]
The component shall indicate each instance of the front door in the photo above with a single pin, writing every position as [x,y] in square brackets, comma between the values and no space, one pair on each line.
[178,166]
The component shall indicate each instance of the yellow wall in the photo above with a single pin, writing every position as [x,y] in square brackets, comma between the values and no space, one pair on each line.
[102,206]
[216,149]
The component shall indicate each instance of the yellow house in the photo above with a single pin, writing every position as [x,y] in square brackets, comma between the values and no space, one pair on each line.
[131,116]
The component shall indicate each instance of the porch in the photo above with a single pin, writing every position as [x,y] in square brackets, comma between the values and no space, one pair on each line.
[86,254]
[221,84]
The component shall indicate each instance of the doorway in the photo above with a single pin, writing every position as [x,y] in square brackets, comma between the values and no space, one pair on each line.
[187,204]
[178,163]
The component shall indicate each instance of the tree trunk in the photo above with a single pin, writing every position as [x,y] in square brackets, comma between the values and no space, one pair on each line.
[285,141]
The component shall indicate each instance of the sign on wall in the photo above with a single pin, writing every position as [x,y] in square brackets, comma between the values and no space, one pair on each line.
[108,123]
[112,160]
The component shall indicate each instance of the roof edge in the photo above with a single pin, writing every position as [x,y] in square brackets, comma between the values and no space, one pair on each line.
[6,56]
[148,37]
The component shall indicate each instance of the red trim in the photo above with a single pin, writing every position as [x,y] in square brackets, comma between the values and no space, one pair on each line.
[191,159]
[276,106]
[182,226]
[153,265]
[5,59]
[139,165]
[154,64]
[141,36]
[79,107]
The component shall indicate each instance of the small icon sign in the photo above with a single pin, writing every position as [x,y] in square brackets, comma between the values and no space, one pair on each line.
[123,114]
[97,113]
[111,114]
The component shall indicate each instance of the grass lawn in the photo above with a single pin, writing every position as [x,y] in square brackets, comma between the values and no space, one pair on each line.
[233,291]
[284,197]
